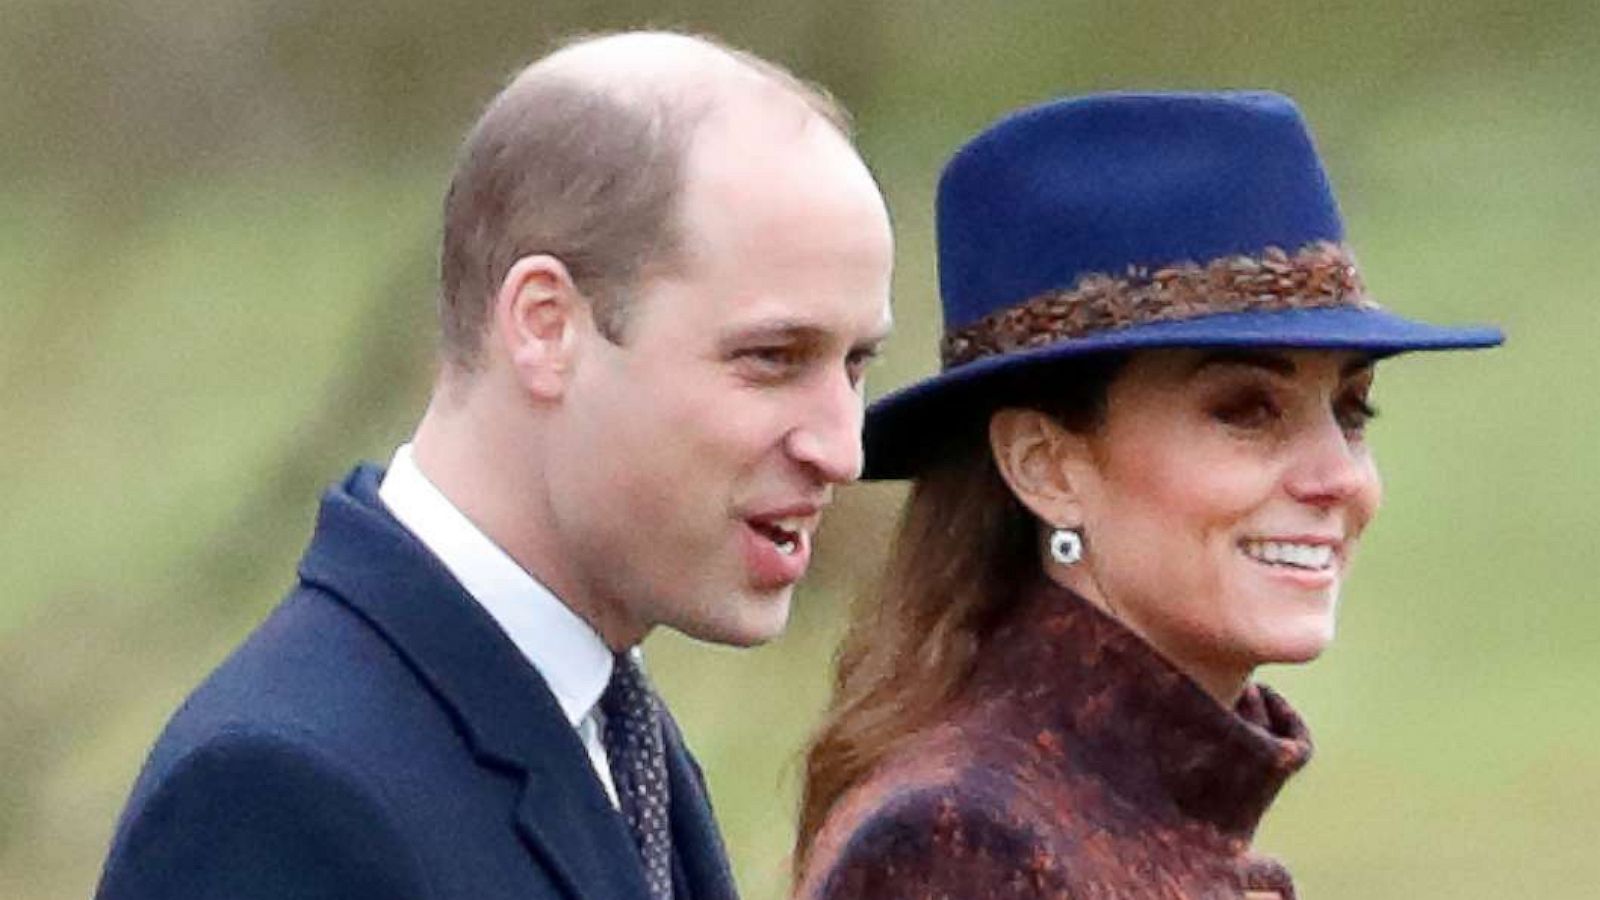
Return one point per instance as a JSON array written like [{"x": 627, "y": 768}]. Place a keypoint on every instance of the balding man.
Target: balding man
[{"x": 664, "y": 268}]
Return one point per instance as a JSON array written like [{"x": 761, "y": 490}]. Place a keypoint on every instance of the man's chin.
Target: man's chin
[{"x": 750, "y": 620}]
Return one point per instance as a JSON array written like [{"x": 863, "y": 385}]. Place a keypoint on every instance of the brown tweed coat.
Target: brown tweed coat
[{"x": 1081, "y": 765}]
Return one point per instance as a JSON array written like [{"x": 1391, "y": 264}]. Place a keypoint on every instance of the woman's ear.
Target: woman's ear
[{"x": 1034, "y": 454}]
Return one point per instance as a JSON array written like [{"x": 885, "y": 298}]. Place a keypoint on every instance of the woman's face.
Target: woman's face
[{"x": 1221, "y": 500}]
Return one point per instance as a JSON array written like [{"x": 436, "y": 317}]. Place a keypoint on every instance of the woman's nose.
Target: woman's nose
[{"x": 1332, "y": 467}]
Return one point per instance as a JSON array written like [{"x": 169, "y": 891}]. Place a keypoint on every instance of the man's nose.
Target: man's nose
[{"x": 827, "y": 440}]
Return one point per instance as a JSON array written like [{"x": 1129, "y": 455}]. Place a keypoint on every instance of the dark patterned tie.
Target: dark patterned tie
[{"x": 637, "y": 753}]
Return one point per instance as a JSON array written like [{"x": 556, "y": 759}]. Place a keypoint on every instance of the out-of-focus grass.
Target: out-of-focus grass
[
  {"x": 159, "y": 383},
  {"x": 179, "y": 384},
  {"x": 149, "y": 373}
]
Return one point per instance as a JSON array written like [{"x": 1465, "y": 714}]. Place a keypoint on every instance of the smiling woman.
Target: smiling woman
[
  {"x": 1225, "y": 492},
  {"x": 1141, "y": 475}
]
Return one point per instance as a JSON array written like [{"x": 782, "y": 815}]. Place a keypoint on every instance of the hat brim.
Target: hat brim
[{"x": 904, "y": 429}]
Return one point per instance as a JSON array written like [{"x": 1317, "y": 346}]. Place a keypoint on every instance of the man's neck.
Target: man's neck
[{"x": 464, "y": 452}]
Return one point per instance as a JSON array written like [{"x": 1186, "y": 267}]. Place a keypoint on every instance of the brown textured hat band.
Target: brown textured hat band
[{"x": 1321, "y": 275}]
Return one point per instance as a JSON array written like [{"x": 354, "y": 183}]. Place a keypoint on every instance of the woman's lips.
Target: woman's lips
[
  {"x": 1309, "y": 561},
  {"x": 1312, "y": 556}
]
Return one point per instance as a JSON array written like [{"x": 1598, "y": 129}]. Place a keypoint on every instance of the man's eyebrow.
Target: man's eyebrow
[
  {"x": 874, "y": 341},
  {"x": 775, "y": 330},
  {"x": 798, "y": 331}
]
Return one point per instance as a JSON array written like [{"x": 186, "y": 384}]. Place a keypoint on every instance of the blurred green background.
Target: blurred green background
[{"x": 217, "y": 223}]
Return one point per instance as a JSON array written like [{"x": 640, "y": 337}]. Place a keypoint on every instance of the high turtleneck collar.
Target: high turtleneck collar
[{"x": 1103, "y": 698}]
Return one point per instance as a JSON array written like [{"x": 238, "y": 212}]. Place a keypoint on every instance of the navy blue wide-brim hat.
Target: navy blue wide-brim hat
[{"x": 1120, "y": 222}]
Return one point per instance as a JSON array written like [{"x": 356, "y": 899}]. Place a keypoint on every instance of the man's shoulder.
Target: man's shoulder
[
  {"x": 313, "y": 669},
  {"x": 320, "y": 662},
  {"x": 253, "y": 811},
  {"x": 288, "y": 726},
  {"x": 319, "y": 740}
]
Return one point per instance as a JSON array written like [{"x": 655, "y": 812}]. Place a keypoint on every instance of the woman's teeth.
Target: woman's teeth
[{"x": 1285, "y": 553}]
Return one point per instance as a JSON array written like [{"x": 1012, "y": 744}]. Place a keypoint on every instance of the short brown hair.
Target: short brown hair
[{"x": 561, "y": 165}]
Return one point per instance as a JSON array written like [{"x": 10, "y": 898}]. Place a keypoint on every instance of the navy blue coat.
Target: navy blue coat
[{"x": 379, "y": 736}]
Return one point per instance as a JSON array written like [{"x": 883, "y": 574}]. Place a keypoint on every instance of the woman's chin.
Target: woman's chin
[
  {"x": 1293, "y": 623},
  {"x": 1296, "y": 642}
]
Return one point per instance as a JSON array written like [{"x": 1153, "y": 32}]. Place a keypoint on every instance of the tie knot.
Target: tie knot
[{"x": 627, "y": 695}]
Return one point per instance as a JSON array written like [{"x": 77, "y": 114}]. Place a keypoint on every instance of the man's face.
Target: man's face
[{"x": 696, "y": 456}]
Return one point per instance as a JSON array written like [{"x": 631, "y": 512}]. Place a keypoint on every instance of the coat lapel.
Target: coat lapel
[
  {"x": 502, "y": 706},
  {"x": 694, "y": 828},
  {"x": 589, "y": 847}
]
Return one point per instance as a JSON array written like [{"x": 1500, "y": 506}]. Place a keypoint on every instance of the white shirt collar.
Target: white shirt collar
[{"x": 569, "y": 654}]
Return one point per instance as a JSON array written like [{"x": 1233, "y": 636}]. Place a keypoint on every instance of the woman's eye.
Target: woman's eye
[
  {"x": 1250, "y": 411},
  {"x": 1354, "y": 414}
]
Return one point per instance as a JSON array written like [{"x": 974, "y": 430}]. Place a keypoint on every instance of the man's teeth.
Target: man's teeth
[
  {"x": 1284, "y": 553},
  {"x": 785, "y": 534}
]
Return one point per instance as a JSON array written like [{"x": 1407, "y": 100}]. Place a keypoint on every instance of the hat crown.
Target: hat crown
[
  {"x": 1118, "y": 223},
  {"x": 1101, "y": 184}
]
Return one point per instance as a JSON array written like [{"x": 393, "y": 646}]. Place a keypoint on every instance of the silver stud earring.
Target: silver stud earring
[{"x": 1066, "y": 546}]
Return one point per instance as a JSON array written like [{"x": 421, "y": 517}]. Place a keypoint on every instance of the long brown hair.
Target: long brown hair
[{"x": 964, "y": 548}]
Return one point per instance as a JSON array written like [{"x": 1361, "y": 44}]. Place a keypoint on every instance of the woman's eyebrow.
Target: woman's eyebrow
[
  {"x": 1276, "y": 363},
  {"x": 1357, "y": 366}
]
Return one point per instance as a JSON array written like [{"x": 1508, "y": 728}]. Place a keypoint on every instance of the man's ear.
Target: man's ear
[
  {"x": 1035, "y": 456},
  {"x": 538, "y": 316}
]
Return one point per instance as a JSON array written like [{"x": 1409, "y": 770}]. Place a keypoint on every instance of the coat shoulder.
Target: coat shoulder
[
  {"x": 948, "y": 834},
  {"x": 250, "y": 813},
  {"x": 313, "y": 667},
  {"x": 274, "y": 777}
]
